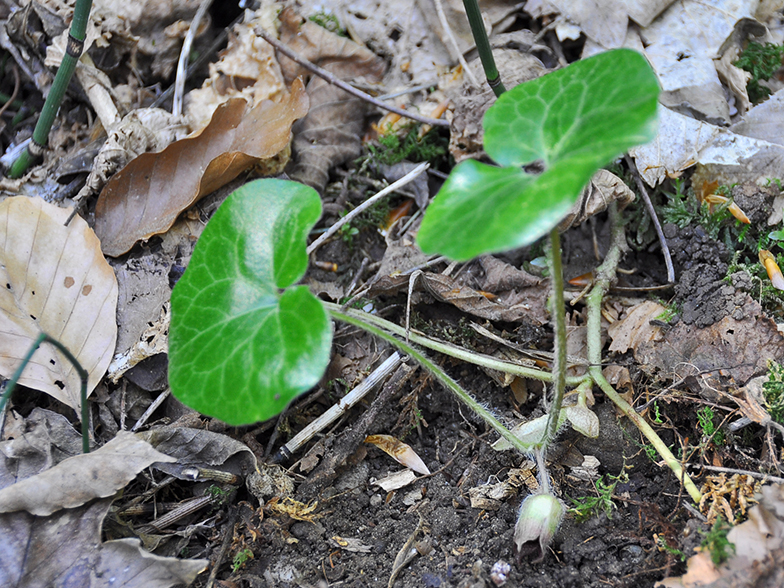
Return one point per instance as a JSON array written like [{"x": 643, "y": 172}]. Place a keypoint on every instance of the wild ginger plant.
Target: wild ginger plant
[{"x": 245, "y": 340}]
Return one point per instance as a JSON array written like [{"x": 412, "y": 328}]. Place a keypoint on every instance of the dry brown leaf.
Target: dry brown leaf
[
  {"x": 635, "y": 329},
  {"x": 740, "y": 348},
  {"x": 65, "y": 549},
  {"x": 331, "y": 132},
  {"x": 146, "y": 196},
  {"x": 604, "y": 187},
  {"x": 82, "y": 478},
  {"x": 54, "y": 279}
]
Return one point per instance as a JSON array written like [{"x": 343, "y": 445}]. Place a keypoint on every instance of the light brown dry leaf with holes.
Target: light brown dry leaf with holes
[
  {"x": 331, "y": 132},
  {"x": 400, "y": 452},
  {"x": 79, "y": 479},
  {"x": 54, "y": 279},
  {"x": 146, "y": 196},
  {"x": 299, "y": 511},
  {"x": 65, "y": 549}
]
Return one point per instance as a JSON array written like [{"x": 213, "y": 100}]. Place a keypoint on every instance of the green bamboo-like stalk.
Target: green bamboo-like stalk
[
  {"x": 63, "y": 77},
  {"x": 83, "y": 375},
  {"x": 483, "y": 46}
]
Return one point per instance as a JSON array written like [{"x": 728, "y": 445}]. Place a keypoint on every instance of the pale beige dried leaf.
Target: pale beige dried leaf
[
  {"x": 82, "y": 478},
  {"x": 635, "y": 329},
  {"x": 54, "y": 279},
  {"x": 247, "y": 68},
  {"x": 400, "y": 452},
  {"x": 146, "y": 196}
]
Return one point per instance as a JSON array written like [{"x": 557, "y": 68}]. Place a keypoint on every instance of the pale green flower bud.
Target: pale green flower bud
[{"x": 538, "y": 521}]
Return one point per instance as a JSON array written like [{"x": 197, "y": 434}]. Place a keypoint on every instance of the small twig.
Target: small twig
[
  {"x": 327, "y": 76},
  {"x": 151, "y": 409},
  {"x": 182, "y": 64},
  {"x": 334, "y": 412},
  {"x": 758, "y": 475},
  {"x": 228, "y": 537},
  {"x": 654, "y": 218},
  {"x": 450, "y": 35},
  {"x": 14, "y": 93},
  {"x": 406, "y": 179}
]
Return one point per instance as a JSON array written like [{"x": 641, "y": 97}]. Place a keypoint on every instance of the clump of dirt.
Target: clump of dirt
[{"x": 701, "y": 264}]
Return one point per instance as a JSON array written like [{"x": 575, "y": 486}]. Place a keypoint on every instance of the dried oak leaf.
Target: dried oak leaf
[
  {"x": 146, "y": 196},
  {"x": 331, "y": 132},
  {"x": 65, "y": 549},
  {"x": 82, "y": 478},
  {"x": 54, "y": 279}
]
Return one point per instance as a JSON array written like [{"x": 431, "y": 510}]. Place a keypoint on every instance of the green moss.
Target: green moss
[
  {"x": 773, "y": 391},
  {"x": 716, "y": 542},
  {"x": 393, "y": 148},
  {"x": 761, "y": 61},
  {"x": 328, "y": 21}
]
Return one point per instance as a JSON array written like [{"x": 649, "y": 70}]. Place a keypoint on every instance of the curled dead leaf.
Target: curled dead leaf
[
  {"x": 400, "y": 452},
  {"x": 146, "y": 196}
]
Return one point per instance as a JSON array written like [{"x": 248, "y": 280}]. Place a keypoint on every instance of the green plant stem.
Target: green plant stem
[
  {"x": 440, "y": 374},
  {"x": 453, "y": 350},
  {"x": 559, "y": 327},
  {"x": 63, "y": 77},
  {"x": 483, "y": 46},
  {"x": 605, "y": 276},
  {"x": 83, "y": 375}
]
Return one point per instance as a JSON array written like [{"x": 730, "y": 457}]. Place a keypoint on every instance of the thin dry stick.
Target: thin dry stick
[
  {"x": 182, "y": 64},
  {"x": 406, "y": 179},
  {"x": 324, "y": 74},
  {"x": 448, "y": 30},
  {"x": 654, "y": 218},
  {"x": 14, "y": 93}
]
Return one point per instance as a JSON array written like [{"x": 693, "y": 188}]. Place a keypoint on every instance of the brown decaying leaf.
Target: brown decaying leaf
[
  {"x": 82, "y": 478},
  {"x": 400, "y": 452},
  {"x": 65, "y": 549},
  {"x": 146, "y": 196},
  {"x": 604, "y": 187},
  {"x": 331, "y": 132},
  {"x": 635, "y": 329},
  {"x": 740, "y": 348},
  {"x": 54, "y": 279}
]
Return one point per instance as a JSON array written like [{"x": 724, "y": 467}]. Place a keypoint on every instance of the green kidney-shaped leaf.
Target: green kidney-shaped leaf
[
  {"x": 238, "y": 349},
  {"x": 572, "y": 121}
]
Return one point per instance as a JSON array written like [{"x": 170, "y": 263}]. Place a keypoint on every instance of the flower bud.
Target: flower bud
[{"x": 538, "y": 521}]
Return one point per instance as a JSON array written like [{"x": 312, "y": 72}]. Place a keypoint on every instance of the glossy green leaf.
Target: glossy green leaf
[
  {"x": 572, "y": 121},
  {"x": 239, "y": 349}
]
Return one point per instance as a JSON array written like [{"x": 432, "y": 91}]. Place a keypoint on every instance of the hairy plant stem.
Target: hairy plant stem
[
  {"x": 73, "y": 51},
  {"x": 483, "y": 46},
  {"x": 559, "y": 328},
  {"x": 83, "y": 375},
  {"x": 452, "y": 350},
  {"x": 605, "y": 276},
  {"x": 440, "y": 374}
]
